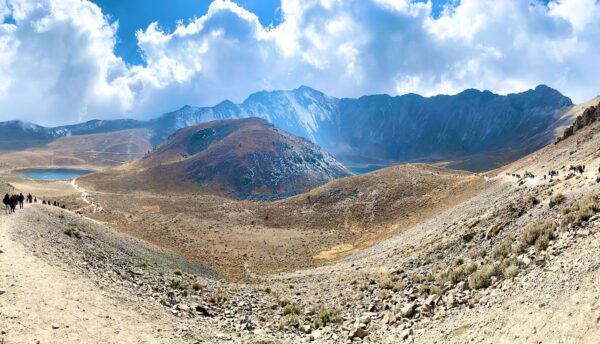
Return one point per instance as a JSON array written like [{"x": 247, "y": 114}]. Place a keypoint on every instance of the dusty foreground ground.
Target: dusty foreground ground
[{"x": 517, "y": 262}]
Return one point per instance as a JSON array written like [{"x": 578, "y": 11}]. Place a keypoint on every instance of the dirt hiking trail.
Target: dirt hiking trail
[{"x": 41, "y": 303}]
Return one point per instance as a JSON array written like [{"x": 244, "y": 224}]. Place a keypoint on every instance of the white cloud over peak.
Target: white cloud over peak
[{"x": 57, "y": 60}]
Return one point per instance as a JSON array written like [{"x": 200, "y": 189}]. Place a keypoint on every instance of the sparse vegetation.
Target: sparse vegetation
[
  {"x": 503, "y": 249},
  {"x": 556, "y": 200},
  {"x": 177, "y": 272},
  {"x": 482, "y": 278},
  {"x": 326, "y": 316},
  {"x": 197, "y": 286},
  {"x": 456, "y": 274},
  {"x": 542, "y": 230},
  {"x": 289, "y": 321},
  {"x": 218, "y": 298},
  {"x": 72, "y": 232},
  {"x": 291, "y": 309}
]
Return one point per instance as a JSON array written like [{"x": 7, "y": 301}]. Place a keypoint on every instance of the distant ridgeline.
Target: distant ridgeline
[
  {"x": 589, "y": 116},
  {"x": 476, "y": 129}
]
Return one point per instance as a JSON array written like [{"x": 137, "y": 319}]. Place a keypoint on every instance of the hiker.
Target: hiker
[
  {"x": 6, "y": 202},
  {"x": 35, "y": 200},
  {"x": 29, "y": 199},
  {"x": 44, "y": 202},
  {"x": 14, "y": 200},
  {"x": 21, "y": 200}
]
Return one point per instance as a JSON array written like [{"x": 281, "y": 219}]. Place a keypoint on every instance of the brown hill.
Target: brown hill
[
  {"x": 95, "y": 151},
  {"x": 245, "y": 158}
]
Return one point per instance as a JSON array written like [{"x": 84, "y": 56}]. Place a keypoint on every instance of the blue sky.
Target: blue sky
[
  {"x": 133, "y": 15},
  {"x": 65, "y": 61},
  {"x": 138, "y": 14}
]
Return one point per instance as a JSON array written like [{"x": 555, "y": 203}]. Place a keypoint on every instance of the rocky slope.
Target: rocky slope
[{"x": 245, "y": 158}]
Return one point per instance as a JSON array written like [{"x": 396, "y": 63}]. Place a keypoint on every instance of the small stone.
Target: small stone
[
  {"x": 2, "y": 291},
  {"x": 55, "y": 327},
  {"x": 358, "y": 332},
  {"x": 260, "y": 332},
  {"x": 366, "y": 319},
  {"x": 409, "y": 310}
]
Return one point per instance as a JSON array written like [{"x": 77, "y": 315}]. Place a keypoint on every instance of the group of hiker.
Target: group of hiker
[
  {"x": 580, "y": 169},
  {"x": 11, "y": 202}
]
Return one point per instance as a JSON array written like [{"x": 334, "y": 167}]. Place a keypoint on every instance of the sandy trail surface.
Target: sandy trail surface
[{"x": 41, "y": 303}]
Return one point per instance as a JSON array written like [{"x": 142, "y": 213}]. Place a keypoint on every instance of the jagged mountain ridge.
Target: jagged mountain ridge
[{"x": 382, "y": 129}]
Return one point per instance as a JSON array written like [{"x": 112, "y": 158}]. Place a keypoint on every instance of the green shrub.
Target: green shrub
[
  {"x": 291, "y": 309},
  {"x": 542, "y": 230},
  {"x": 503, "y": 249},
  {"x": 456, "y": 274},
  {"x": 326, "y": 316},
  {"x": 283, "y": 301},
  {"x": 511, "y": 271},
  {"x": 73, "y": 232},
  {"x": 556, "y": 200},
  {"x": 218, "y": 298},
  {"x": 482, "y": 278},
  {"x": 289, "y": 321}
]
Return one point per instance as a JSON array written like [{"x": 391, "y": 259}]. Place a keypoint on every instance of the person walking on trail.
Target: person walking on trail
[
  {"x": 6, "y": 202},
  {"x": 29, "y": 199},
  {"x": 21, "y": 200},
  {"x": 14, "y": 199}
]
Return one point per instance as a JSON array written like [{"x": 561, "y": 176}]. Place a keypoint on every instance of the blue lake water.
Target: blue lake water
[
  {"x": 362, "y": 169},
  {"x": 52, "y": 173}
]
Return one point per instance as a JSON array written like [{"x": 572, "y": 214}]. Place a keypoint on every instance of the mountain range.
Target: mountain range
[{"x": 475, "y": 130}]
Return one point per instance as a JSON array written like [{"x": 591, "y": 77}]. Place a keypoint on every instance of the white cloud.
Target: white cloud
[{"x": 57, "y": 63}]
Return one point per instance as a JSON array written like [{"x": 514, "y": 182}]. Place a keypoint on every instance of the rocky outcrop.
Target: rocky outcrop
[{"x": 589, "y": 116}]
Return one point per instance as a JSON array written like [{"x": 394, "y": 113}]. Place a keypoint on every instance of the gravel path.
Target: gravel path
[{"x": 42, "y": 303}]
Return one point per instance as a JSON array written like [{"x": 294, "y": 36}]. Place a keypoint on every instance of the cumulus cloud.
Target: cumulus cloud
[{"x": 57, "y": 60}]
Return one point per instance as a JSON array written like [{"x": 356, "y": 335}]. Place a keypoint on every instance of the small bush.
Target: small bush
[
  {"x": 511, "y": 271},
  {"x": 289, "y": 321},
  {"x": 326, "y": 316},
  {"x": 383, "y": 294},
  {"x": 503, "y": 249},
  {"x": 218, "y": 298},
  {"x": 556, "y": 200},
  {"x": 177, "y": 283},
  {"x": 581, "y": 211},
  {"x": 457, "y": 274},
  {"x": 482, "y": 278},
  {"x": 197, "y": 286},
  {"x": 542, "y": 230},
  {"x": 492, "y": 232},
  {"x": 291, "y": 309},
  {"x": 531, "y": 200},
  {"x": 541, "y": 244},
  {"x": 72, "y": 232},
  {"x": 283, "y": 301}
]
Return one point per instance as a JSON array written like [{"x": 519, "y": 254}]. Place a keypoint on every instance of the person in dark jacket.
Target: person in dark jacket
[
  {"x": 14, "y": 201},
  {"x": 21, "y": 200},
  {"x": 6, "y": 202}
]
